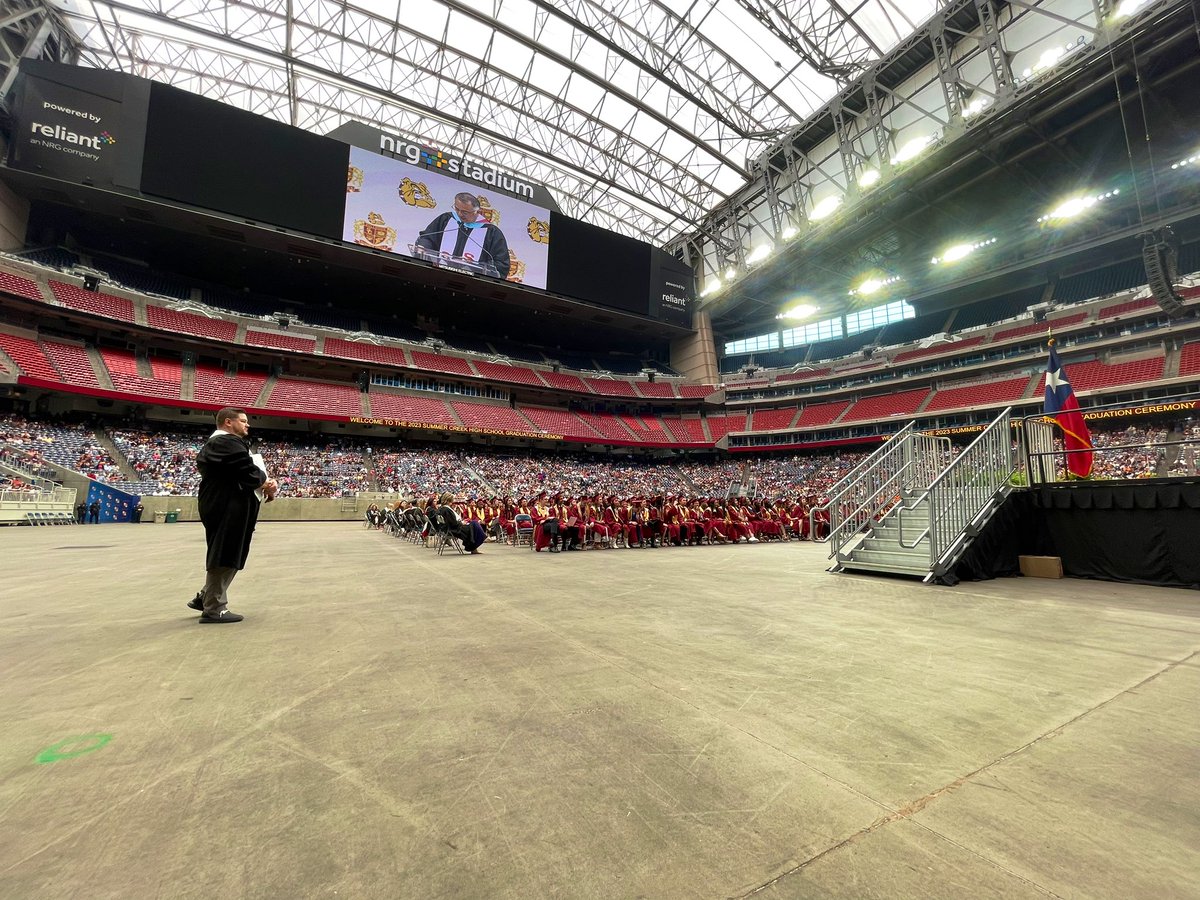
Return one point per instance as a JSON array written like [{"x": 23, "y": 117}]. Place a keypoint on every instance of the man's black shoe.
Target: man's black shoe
[
  {"x": 224, "y": 616},
  {"x": 197, "y": 602}
]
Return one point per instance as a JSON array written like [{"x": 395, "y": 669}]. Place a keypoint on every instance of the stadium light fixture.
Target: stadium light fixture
[
  {"x": 1128, "y": 8},
  {"x": 799, "y": 312},
  {"x": 873, "y": 286},
  {"x": 978, "y": 104},
  {"x": 825, "y": 208},
  {"x": 869, "y": 178},
  {"x": 759, "y": 253},
  {"x": 789, "y": 232},
  {"x": 960, "y": 251},
  {"x": 1052, "y": 56},
  {"x": 730, "y": 273},
  {"x": 1074, "y": 208},
  {"x": 913, "y": 149},
  {"x": 712, "y": 287},
  {"x": 1190, "y": 161}
]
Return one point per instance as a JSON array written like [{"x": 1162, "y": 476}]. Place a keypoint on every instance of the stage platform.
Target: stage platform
[{"x": 692, "y": 722}]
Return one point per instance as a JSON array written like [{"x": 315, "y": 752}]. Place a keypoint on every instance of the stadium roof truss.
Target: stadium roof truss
[
  {"x": 972, "y": 61},
  {"x": 641, "y": 116}
]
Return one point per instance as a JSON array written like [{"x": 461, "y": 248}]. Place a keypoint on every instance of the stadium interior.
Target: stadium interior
[{"x": 777, "y": 272}]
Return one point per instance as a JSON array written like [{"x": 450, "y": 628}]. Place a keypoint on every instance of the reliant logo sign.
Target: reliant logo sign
[
  {"x": 675, "y": 295},
  {"x": 460, "y": 167},
  {"x": 65, "y": 140}
]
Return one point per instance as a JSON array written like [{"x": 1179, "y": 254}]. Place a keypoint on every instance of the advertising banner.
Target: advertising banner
[
  {"x": 115, "y": 505},
  {"x": 66, "y": 132},
  {"x": 672, "y": 290},
  {"x": 417, "y": 212}
]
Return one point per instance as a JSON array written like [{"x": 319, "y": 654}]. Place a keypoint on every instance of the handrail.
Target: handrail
[
  {"x": 909, "y": 458},
  {"x": 900, "y": 521},
  {"x": 959, "y": 494}
]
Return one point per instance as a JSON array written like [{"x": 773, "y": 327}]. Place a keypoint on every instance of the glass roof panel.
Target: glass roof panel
[{"x": 637, "y": 112}]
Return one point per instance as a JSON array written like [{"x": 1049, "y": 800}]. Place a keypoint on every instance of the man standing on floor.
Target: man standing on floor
[{"x": 232, "y": 484}]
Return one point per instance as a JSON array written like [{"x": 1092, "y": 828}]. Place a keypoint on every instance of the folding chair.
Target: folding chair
[
  {"x": 524, "y": 530},
  {"x": 443, "y": 526}
]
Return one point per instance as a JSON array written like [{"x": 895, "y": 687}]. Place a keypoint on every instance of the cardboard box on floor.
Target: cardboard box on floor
[{"x": 1041, "y": 566}]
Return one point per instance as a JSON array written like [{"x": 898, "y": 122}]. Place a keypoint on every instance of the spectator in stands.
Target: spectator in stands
[{"x": 230, "y": 482}]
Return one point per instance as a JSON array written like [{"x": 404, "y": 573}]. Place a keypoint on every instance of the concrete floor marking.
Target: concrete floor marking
[{"x": 57, "y": 751}]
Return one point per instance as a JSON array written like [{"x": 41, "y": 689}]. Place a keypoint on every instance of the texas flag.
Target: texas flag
[{"x": 1062, "y": 405}]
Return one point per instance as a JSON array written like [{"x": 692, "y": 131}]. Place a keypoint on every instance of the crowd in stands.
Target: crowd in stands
[
  {"x": 335, "y": 468},
  {"x": 1140, "y": 452},
  {"x": 418, "y": 472},
  {"x": 71, "y": 445},
  {"x": 573, "y": 474},
  {"x": 164, "y": 463}
]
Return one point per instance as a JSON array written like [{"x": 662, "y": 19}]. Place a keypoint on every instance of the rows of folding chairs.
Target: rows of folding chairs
[
  {"x": 433, "y": 530},
  {"x": 49, "y": 518}
]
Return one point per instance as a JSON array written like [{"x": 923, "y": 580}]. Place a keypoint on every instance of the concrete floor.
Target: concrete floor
[{"x": 707, "y": 722}]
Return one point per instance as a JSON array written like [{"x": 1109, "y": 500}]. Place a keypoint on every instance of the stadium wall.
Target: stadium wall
[{"x": 284, "y": 509}]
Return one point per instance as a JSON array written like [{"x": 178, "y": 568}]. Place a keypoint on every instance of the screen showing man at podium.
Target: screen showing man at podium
[
  {"x": 464, "y": 237},
  {"x": 417, "y": 212}
]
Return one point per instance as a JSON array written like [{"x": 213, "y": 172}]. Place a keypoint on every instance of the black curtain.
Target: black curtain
[{"x": 1145, "y": 532}]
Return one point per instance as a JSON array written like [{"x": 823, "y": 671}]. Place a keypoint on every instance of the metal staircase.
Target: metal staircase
[{"x": 913, "y": 508}]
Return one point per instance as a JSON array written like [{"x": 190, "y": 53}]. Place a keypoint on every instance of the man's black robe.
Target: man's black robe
[
  {"x": 228, "y": 507},
  {"x": 495, "y": 245}
]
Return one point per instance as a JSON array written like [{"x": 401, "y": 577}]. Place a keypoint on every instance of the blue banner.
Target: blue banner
[{"x": 115, "y": 505}]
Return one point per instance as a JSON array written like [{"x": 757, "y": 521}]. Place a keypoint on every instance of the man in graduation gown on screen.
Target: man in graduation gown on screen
[
  {"x": 233, "y": 483},
  {"x": 464, "y": 233}
]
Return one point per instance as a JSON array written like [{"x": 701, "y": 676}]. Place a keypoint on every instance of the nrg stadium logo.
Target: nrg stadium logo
[{"x": 460, "y": 167}]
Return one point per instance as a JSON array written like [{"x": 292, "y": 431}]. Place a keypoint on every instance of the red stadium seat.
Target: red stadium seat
[
  {"x": 1124, "y": 309},
  {"x": 559, "y": 421},
  {"x": 29, "y": 356},
  {"x": 814, "y": 415},
  {"x": 127, "y": 378},
  {"x": 1039, "y": 327},
  {"x": 885, "y": 406},
  {"x": 320, "y": 397},
  {"x": 214, "y": 385},
  {"x": 773, "y": 419},
  {"x": 482, "y": 415},
  {"x": 21, "y": 287},
  {"x": 1008, "y": 390},
  {"x": 719, "y": 426},
  {"x": 655, "y": 388},
  {"x": 513, "y": 374},
  {"x": 685, "y": 431},
  {"x": 189, "y": 323},
  {"x": 407, "y": 408},
  {"x": 435, "y": 362},
  {"x": 937, "y": 350},
  {"x": 563, "y": 382},
  {"x": 293, "y": 342},
  {"x": 611, "y": 387},
  {"x": 608, "y": 425},
  {"x": 366, "y": 352},
  {"x": 1189, "y": 360},
  {"x": 93, "y": 302},
  {"x": 73, "y": 362}
]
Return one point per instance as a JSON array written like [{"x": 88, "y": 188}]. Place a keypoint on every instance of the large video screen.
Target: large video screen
[
  {"x": 416, "y": 212},
  {"x": 207, "y": 154}
]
